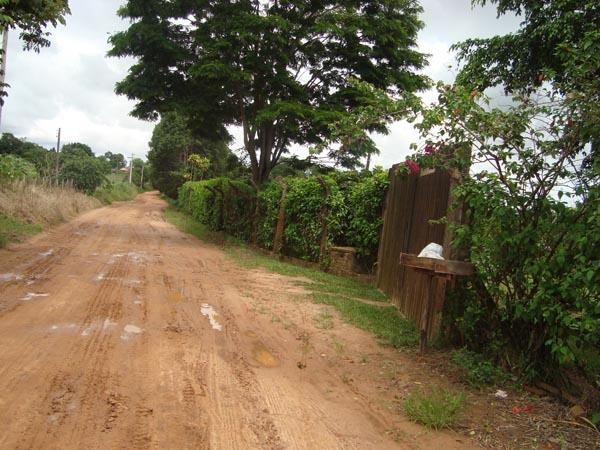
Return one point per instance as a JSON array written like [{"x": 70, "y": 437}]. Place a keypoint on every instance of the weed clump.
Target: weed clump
[{"x": 437, "y": 409}]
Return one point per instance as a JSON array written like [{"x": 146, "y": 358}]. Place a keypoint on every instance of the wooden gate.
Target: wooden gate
[{"x": 412, "y": 202}]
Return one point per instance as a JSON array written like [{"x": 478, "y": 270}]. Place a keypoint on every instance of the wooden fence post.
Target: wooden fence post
[{"x": 325, "y": 211}]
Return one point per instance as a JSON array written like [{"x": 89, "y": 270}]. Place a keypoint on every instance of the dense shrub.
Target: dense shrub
[
  {"x": 85, "y": 173},
  {"x": 14, "y": 168},
  {"x": 269, "y": 199},
  {"x": 365, "y": 205},
  {"x": 533, "y": 234},
  {"x": 221, "y": 204},
  {"x": 351, "y": 203},
  {"x": 306, "y": 203}
]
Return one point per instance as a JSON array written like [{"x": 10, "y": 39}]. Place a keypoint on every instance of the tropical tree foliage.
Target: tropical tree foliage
[
  {"x": 171, "y": 147},
  {"x": 537, "y": 52},
  {"x": 279, "y": 69},
  {"x": 31, "y": 17}
]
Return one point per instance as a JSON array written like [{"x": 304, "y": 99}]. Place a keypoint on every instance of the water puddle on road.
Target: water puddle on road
[
  {"x": 32, "y": 295},
  {"x": 264, "y": 356},
  {"x": 9, "y": 277},
  {"x": 130, "y": 330},
  {"x": 208, "y": 311}
]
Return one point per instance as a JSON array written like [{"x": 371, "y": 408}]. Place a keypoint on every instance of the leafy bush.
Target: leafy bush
[
  {"x": 221, "y": 204},
  {"x": 365, "y": 206},
  {"x": 533, "y": 231},
  {"x": 478, "y": 371},
  {"x": 269, "y": 199},
  {"x": 307, "y": 203},
  {"x": 86, "y": 173},
  {"x": 15, "y": 168}
]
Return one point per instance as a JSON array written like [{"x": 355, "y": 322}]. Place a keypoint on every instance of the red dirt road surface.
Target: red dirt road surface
[{"x": 118, "y": 331}]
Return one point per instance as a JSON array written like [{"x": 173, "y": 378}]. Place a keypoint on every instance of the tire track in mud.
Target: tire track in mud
[
  {"x": 93, "y": 385},
  {"x": 252, "y": 412}
]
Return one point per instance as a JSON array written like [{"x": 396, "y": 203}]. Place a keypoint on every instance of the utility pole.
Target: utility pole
[
  {"x": 130, "y": 168},
  {"x": 3, "y": 62},
  {"x": 142, "y": 178},
  {"x": 57, "y": 153}
]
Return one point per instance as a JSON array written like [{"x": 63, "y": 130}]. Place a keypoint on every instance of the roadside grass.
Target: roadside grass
[
  {"x": 13, "y": 229},
  {"x": 324, "y": 320},
  {"x": 437, "y": 409},
  {"x": 383, "y": 321},
  {"x": 346, "y": 295},
  {"x": 27, "y": 207},
  {"x": 320, "y": 281},
  {"x": 189, "y": 225},
  {"x": 116, "y": 191}
]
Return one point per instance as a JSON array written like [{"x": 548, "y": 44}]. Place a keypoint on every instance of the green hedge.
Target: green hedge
[
  {"x": 221, "y": 204},
  {"x": 352, "y": 204}
]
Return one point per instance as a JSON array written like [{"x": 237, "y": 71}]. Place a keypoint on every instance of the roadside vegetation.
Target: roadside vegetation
[
  {"x": 27, "y": 207},
  {"x": 437, "y": 409},
  {"x": 36, "y": 192}
]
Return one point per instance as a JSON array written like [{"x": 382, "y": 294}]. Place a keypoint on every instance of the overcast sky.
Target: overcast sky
[{"x": 71, "y": 84}]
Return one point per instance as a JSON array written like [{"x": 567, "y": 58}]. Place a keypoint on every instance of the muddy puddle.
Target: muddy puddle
[
  {"x": 4, "y": 277},
  {"x": 208, "y": 311},
  {"x": 32, "y": 295},
  {"x": 129, "y": 331},
  {"x": 263, "y": 355}
]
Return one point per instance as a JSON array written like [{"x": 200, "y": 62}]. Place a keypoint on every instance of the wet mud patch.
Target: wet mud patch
[
  {"x": 209, "y": 311},
  {"x": 264, "y": 356}
]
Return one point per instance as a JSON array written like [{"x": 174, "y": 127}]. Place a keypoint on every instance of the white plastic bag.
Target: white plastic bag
[{"x": 432, "y": 250}]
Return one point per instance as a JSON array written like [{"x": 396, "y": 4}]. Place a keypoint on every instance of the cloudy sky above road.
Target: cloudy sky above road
[{"x": 71, "y": 84}]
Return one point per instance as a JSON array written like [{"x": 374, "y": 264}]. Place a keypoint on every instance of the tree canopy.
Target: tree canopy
[
  {"x": 31, "y": 17},
  {"x": 279, "y": 69},
  {"x": 539, "y": 51},
  {"x": 172, "y": 155}
]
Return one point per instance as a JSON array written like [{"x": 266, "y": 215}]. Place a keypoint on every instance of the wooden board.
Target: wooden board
[{"x": 436, "y": 266}]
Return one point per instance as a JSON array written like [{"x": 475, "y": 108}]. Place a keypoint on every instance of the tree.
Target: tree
[
  {"x": 31, "y": 17},
  {"x": 279, "y": 69},
  {"x": 86, "y": 173},
  {"x": 171, "y": 146},
  {"x": 115, "y": 160},
  {"x": 79, "y": 165},
  {"x": 537, "y": 52},
  {"x": 10, "y": 144},
  {"x": 558, "y": 43}
]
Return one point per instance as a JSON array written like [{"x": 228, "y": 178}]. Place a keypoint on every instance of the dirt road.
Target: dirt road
[{"x": 118, "y": 331}]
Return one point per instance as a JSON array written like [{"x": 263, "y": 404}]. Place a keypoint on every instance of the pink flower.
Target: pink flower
[
  {"x": 429, "y": 149},
  {"x": 413, "y": 166}
]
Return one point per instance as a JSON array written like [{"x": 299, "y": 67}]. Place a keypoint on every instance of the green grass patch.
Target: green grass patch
[
  {"x": 437, "y": 409},
  {"x": 383, "y": 321},
  {"x": 324, "y": 320},
  {"x": 321, "y": 281},
  {"x": 476, "y": 371},
  {"x": 116, "y": 192},
  {"x": 13, "y": 229}
]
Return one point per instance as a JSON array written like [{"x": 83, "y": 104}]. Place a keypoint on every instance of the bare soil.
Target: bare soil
[{"x": 119, "y": 331}]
